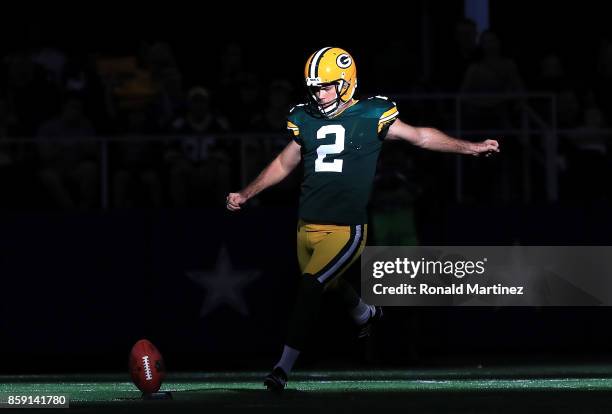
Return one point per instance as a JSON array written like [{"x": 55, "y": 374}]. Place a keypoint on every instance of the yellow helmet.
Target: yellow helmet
[{"x": 331, "y": 65}]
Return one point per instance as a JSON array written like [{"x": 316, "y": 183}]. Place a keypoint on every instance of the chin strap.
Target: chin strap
[{"x": 330, "y": 109}]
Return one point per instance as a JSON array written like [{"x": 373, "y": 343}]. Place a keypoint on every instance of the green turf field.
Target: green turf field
[{"x": 467, "y": 390}]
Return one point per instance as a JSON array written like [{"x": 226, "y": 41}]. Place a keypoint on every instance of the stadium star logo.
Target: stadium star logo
[{"x": 224, "y": 285}]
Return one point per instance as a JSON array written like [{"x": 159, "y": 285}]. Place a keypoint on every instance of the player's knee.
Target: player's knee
[{"x": 309, "y": 283}]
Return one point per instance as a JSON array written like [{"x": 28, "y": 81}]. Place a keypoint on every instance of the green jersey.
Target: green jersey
[{"x": 340, "y": 156}]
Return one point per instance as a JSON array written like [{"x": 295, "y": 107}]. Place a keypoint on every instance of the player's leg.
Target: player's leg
[
  {"x": 307, "y": 297},
  {"x": 323, "y": 250},
  {"x": 362, "y": 313}
]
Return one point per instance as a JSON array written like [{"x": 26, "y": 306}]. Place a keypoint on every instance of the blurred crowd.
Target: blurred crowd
[{"x": 210, "y": 134}]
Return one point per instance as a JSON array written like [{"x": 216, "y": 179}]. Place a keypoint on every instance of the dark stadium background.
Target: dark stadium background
[{"x": 126, "y": 254}]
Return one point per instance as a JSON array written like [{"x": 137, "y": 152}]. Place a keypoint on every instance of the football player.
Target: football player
[{"x": 338, "y": 139}]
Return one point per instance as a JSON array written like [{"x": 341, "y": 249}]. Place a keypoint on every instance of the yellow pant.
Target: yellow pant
[{"x": 325, "y": 251}]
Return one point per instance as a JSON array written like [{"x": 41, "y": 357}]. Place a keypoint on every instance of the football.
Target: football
[{"x": 146, "y": 366}]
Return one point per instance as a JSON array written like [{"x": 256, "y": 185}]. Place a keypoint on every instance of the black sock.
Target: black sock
[
  {"x": 344, "y": 293},
  {"x": 305, "y": 313}
]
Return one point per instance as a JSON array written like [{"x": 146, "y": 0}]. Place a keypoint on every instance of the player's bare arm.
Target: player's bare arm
[
  {"x": 435, "y": 140},
  {"x": 274, "y": 173}
]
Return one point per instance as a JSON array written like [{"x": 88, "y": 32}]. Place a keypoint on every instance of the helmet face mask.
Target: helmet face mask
[
  {"x": 329, "y": 107},
  {"x": 330, "y": 66}
]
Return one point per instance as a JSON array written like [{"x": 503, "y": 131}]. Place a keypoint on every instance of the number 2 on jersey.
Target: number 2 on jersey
[{"x": 330, "y": 149}]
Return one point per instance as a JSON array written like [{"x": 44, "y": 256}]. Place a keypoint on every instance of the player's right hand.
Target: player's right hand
[{"x": 234, "y": 200}]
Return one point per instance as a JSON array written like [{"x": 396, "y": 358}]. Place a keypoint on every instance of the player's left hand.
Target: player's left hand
[
  {"x": 234, "y": 200},
  {"x": 486, "y": 147}
]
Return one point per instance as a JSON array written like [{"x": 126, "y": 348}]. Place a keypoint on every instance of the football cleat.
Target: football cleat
[
  {"x": 366, "y": 329},
  {"x": 276, "y": 380}
]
